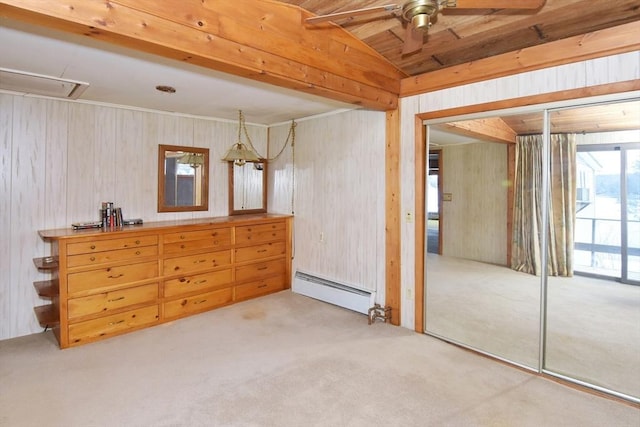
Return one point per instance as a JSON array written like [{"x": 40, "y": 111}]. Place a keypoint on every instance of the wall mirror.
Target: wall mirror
[
  {"x": 247, "y": 188},
  {"x": 183, "y": 178}
]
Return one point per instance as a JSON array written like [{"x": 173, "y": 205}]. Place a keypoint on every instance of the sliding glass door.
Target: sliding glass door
[
  {"x": 607, "y": 233},
  {"x": 632, "y": 174}
]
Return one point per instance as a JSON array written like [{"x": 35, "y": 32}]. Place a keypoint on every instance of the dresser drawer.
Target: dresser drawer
[
  {"x": 251, "y": 234},
  {"x": 103, "y": 278},
  {"x": 109, "y": 325},
  {"x": 222, "y": 236},
  {"x": 260, "y": 270},
  {"x": 188, "y": 264},
  {"x": 109, "y": 301},
  {"x": 111, "y": 256},
  {"x": 111, "y": 244},
  {"x": 265, "y": 250},
  {"x": 260, "y": 287},
  {"x": 177, "y": 243},
  {"x": 198, "y": 303},
  {"x": 198, "y": 282}
]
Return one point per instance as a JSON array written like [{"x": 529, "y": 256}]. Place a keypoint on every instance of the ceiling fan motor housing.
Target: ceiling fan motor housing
[{"x": 419, "y": 13}]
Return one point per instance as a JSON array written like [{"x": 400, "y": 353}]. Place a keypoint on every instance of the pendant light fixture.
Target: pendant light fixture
[{"x": 239, "y": 153}]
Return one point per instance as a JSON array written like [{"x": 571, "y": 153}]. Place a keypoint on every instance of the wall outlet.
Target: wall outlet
[
  {"x": 408, "y": 217},
  {"x": 409, "y": 293}
]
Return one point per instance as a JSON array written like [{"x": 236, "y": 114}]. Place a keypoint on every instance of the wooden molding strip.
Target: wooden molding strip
[
  {"x": 543, "y": 98},
  {"x": 252, "y": 39},
  {"x": 420, "y": 156},
  {"x": 392, "y": 217},
  {"x": 610, "y": 41}
]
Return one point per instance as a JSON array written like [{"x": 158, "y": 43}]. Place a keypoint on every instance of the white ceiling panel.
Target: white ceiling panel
[{"x": 126, "y": 77}]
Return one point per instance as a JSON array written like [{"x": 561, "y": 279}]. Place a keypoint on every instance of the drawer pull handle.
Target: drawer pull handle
[
  {"x": 137, "y": 242},
  {"x": 116, "y": 323},
  {"x": 262, "y": 250},
  {"x": 92, "y": 258},
  {"x": 199, "y": 302},
  {"x": 262, "y": 286},
  {"x": 199, "y": 282},
  {"x": 200, "y": 261},
  {"x": 137, "y": 252},
  {"x": 116, "y": 277},
  {"x": 182, "y": 246},
  {"x": 214, "y": 234},
  {"x": 262, "y": 268},
  {"x": 182, "y": 237},
  {"x": 116, "y": 299},
  {"x": 92, "y": 246}
]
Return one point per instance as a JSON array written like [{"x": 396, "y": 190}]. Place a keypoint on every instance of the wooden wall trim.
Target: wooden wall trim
[
  {"x": 511, "y": 177},
  {"x": 420, "y": 155},
  {"x": 421, "y": 167},
  {"x": 260, "y": 40},
  {"x": 610, "y": 41},
  {"x": 543, "y": 98},
  {"x": 392, "y": 208}
]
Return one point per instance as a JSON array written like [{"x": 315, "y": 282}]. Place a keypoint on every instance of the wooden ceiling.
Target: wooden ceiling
[{"x": 462, "y": 36}]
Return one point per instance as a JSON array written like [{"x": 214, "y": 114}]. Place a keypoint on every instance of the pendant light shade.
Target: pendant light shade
[
  {"x": 194, "y": 160},
  {"x": 239, "y": 154}
]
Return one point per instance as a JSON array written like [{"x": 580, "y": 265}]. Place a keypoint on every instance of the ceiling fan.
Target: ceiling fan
[{"x": 419, "y": 15}]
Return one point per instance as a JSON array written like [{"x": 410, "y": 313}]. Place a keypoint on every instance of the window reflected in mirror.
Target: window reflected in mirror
[
  {"x": 247, "y": 188},
  {"x": 183, "y": 179}
]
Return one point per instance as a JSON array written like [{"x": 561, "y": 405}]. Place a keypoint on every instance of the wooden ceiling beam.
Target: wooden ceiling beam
[
  {"x": 490, "y": 129},
  {"x": 611, "y": 41},
  {"x": 262, "y": 40}
]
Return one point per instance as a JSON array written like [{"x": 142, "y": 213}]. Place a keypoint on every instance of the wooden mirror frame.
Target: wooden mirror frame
[
  {"x": 263, "y": 209},
  {"x": 204, "y": 196}
]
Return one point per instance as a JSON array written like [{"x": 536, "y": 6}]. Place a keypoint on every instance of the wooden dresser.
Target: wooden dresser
[{"x": 109, "y": 282}]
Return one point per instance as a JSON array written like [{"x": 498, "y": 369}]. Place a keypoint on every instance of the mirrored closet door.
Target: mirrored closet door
[
  {"x": 473, "y": 295},
  {"x": 564, "y": 302},
  {"x": 593, "y": 313}
]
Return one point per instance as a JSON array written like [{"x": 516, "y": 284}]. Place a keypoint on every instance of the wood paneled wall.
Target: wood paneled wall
[
  {"x": 338, "y": 185},
  {"x": 612, "y": 69},
  {"x": 60, "y": 160},
  {"x": 474, "y": 223}
]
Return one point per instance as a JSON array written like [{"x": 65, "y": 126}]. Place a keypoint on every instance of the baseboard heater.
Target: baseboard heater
[{"x": 340, "y": 294}]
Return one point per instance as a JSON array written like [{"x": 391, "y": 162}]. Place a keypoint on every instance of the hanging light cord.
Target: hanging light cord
[{"x": 290, "y": 137}]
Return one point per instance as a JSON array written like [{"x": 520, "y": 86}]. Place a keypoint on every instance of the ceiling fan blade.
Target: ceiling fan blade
[
  {"x": 350, "y": 13},
  {"x": 413, "y": 40},
  {"x": 495, "y": 4}
]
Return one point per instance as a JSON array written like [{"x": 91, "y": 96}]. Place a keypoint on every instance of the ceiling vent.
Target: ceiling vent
[{"x": 38, "y": 84}]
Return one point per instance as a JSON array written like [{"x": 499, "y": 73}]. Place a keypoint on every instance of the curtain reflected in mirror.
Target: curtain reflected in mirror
[
  {"x": 183, "y": 178},
  {"x": 247, "y": 188}
]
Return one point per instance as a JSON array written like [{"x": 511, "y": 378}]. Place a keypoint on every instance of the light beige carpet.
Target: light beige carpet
[
  {"x": 593, "y": 325},
  {"x": 282, "y": 360}
]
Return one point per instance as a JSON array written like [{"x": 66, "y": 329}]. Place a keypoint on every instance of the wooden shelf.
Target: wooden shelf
[
  {"x": 47, "y": 316},
  {"x": 46, "y": 263},
  {"x": 47, "y": 288}
]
